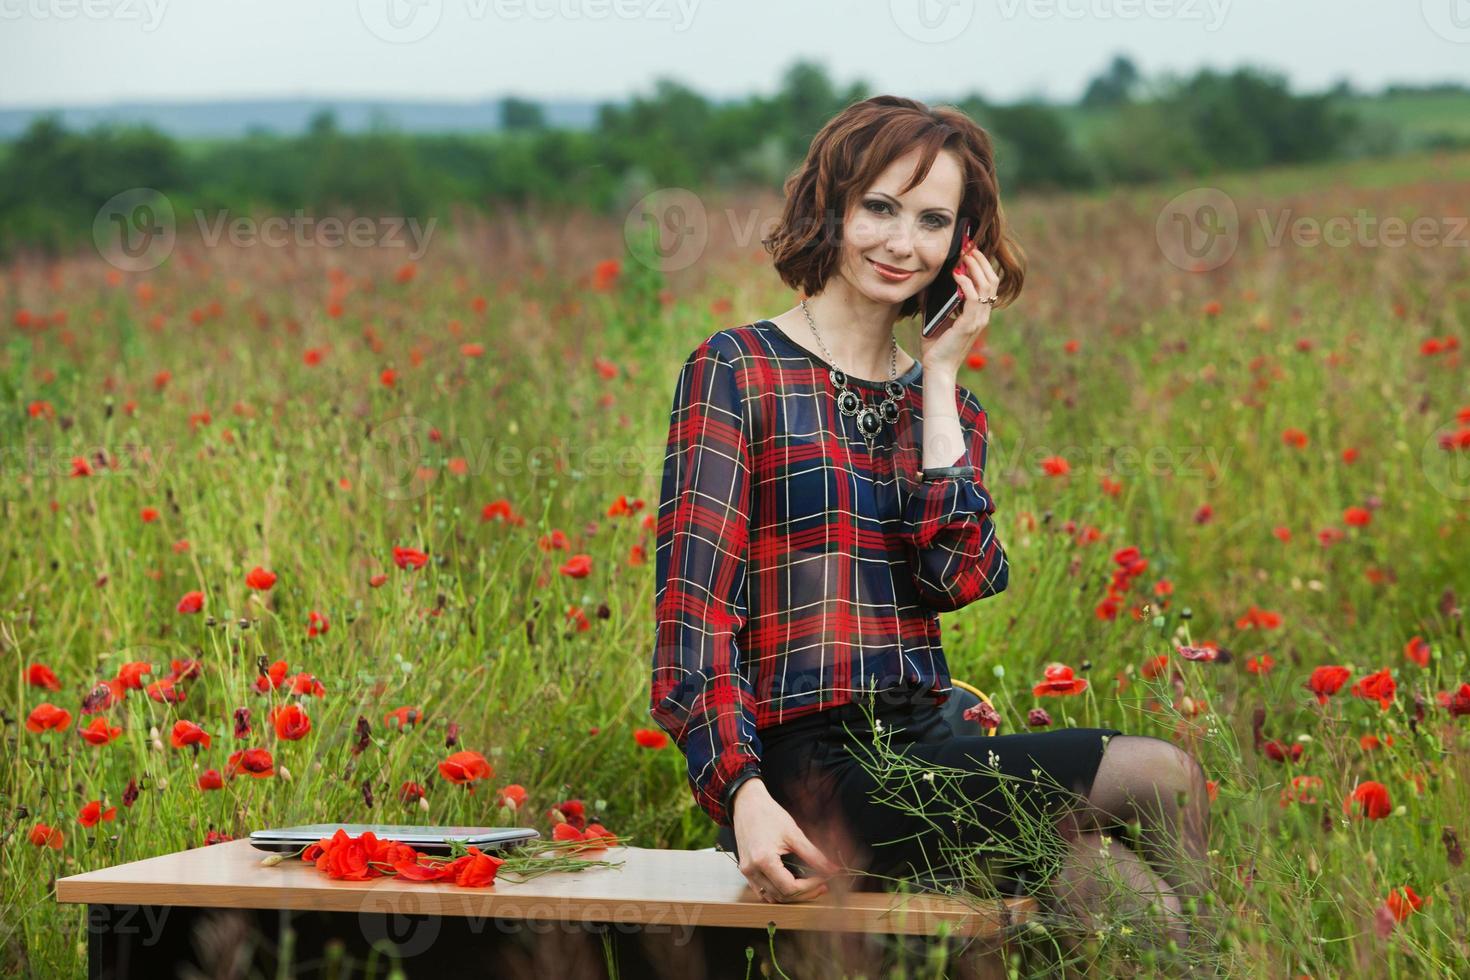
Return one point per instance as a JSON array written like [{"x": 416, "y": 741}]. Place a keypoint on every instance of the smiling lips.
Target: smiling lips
[{"x": 890, "y": 273}]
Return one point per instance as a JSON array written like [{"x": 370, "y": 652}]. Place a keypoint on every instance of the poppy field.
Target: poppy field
[{"x": 297, "y": 533}]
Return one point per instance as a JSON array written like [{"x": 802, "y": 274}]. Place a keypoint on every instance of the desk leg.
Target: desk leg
[{"x": 132, "y": 942}]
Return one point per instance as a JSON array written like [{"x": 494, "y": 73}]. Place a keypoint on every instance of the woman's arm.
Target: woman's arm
[
  {"x": 956, "y": 554},
  {"x": 699, "y": 693}
]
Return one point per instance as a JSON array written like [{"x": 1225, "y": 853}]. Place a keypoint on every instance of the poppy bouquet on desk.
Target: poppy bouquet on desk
[{"x": 368, "y": 856}]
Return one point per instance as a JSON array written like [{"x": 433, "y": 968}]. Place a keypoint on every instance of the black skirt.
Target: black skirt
[{"x": 885, "y": 787}]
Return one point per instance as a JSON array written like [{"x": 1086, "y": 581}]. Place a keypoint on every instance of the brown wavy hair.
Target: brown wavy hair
[{"x": 847, "y": 156}]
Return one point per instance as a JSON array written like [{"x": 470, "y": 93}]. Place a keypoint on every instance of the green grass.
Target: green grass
[{"x": 1181, "y": 406}]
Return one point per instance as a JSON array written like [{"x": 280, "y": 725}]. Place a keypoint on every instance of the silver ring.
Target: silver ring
[{"x": 990, "y": 300}]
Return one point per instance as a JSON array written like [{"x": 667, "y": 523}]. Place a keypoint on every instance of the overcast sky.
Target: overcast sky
[{"x": 85, "y": 52}]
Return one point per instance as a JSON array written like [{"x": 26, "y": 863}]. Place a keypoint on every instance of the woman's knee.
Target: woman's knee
[{"x": 1147, "y": 760}]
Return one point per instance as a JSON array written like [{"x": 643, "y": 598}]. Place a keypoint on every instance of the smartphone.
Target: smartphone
[{"x": 943, "y": 296}]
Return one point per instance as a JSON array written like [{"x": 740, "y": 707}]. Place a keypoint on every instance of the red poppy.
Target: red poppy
[
  {"x": 569, "y": 811},
  {"x": 211, "y": 779},
  {"x": 377, "y": 580},
  {"x": 513, "y": 796},
  {"x": 191, "y": 602},
  {"x": 1059, "y": 682},
  {"x": 402, "y": 717},
  {"x": 47, "y": 716},
  {"x": 577, "y": 566},
  {"x": 1277, "y": 752},
  {"x": 188, "y": 733},
  {"x": 1261, "y": 664},
  {"x": 291, "y": 723},
  {"x": 93, "y": 812},
  {"x": 1326, "y": 681},
  {"x": 407, "y": 558},
  {"x": 164, "y": 690},
  {"x": 99, "y": 732},
  {"x": 304, "y": 683},
  {"x": 260, "y": 579},
  {"x": 1258, "y": 618},
  {"x": 1379, "y": 686},
  {"x": 410, "y": 793},
  {"x": 316, "y": 623},
  {"x": 1417, "y": 650},
  {"x": 1301, "y": 790},
  {"x": 1371, "y": 799},
  {"x": 44, "y": 835},
  {"x": 465, "y": 767},
  {"x": 256, "y": 762},
  {"x": 1402, "y": 901},
  {"x": 1205, "y": 653},
  {"x": 130, "y": 675},
  {"x": 39, "y": 675},
  {"x": 650, "y": 738},
  {"x": 274, "y": 677}
]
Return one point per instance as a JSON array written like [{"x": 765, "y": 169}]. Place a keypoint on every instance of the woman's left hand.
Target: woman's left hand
[{"x": 944, "y": 351}]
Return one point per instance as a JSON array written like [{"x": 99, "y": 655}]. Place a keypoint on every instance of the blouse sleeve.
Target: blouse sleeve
[
  {"x": 955, "y": 554},
  {"x": 700, "y": 694}
]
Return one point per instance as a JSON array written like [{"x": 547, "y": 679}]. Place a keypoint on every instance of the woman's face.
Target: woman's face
[{"x": 895, "y": 244}]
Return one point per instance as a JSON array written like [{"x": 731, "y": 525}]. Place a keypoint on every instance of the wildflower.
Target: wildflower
[
  {"x": 188, "y": 733},
  {"x": 464, "y": 768},
  {"x": 1326, "y": 681},
  {"x": 1059, "y": 682},
  {"x": 47, "y": 716},
  {"x": 92, "y": 812},
  {"x": 1371, "y": 799}
]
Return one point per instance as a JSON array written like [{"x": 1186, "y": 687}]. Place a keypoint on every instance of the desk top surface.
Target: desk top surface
[{"x": 652, "y": 886}]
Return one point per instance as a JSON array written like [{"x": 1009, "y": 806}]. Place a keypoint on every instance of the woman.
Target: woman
[{"x": 806, "y": 547}]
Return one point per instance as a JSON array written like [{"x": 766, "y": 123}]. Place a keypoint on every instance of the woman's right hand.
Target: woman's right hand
[{"x": 764, "y": 833}]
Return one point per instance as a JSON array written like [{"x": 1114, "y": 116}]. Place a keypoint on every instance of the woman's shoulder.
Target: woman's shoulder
[{"x": 737, "y": 344}]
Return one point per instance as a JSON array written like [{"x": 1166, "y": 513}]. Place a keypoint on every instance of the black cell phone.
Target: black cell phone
[{"x": 943, "y": 296}]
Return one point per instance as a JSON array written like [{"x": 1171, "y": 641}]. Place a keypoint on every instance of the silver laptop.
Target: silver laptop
[{"x": 430, "y": 840}]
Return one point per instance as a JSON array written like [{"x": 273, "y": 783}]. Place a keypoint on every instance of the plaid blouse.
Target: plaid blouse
[{"x": 793, "y": 570}]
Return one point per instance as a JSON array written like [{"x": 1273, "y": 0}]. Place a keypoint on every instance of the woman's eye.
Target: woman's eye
[{"x": 875, "y": 205}]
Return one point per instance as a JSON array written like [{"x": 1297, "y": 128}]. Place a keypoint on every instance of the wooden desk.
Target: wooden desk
[{"x": 148, "y": 917}]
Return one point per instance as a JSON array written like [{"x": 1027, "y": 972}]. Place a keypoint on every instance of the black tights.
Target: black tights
[{"x": 1143, "y": 814}]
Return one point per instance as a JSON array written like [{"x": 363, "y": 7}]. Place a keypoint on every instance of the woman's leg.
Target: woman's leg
[
  {"x": 1087, "y": 886},
  {"x": 1159, "y": 791}
]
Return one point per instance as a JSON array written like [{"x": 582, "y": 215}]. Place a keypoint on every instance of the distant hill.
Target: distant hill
[{"x": 289, "y": 117}]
